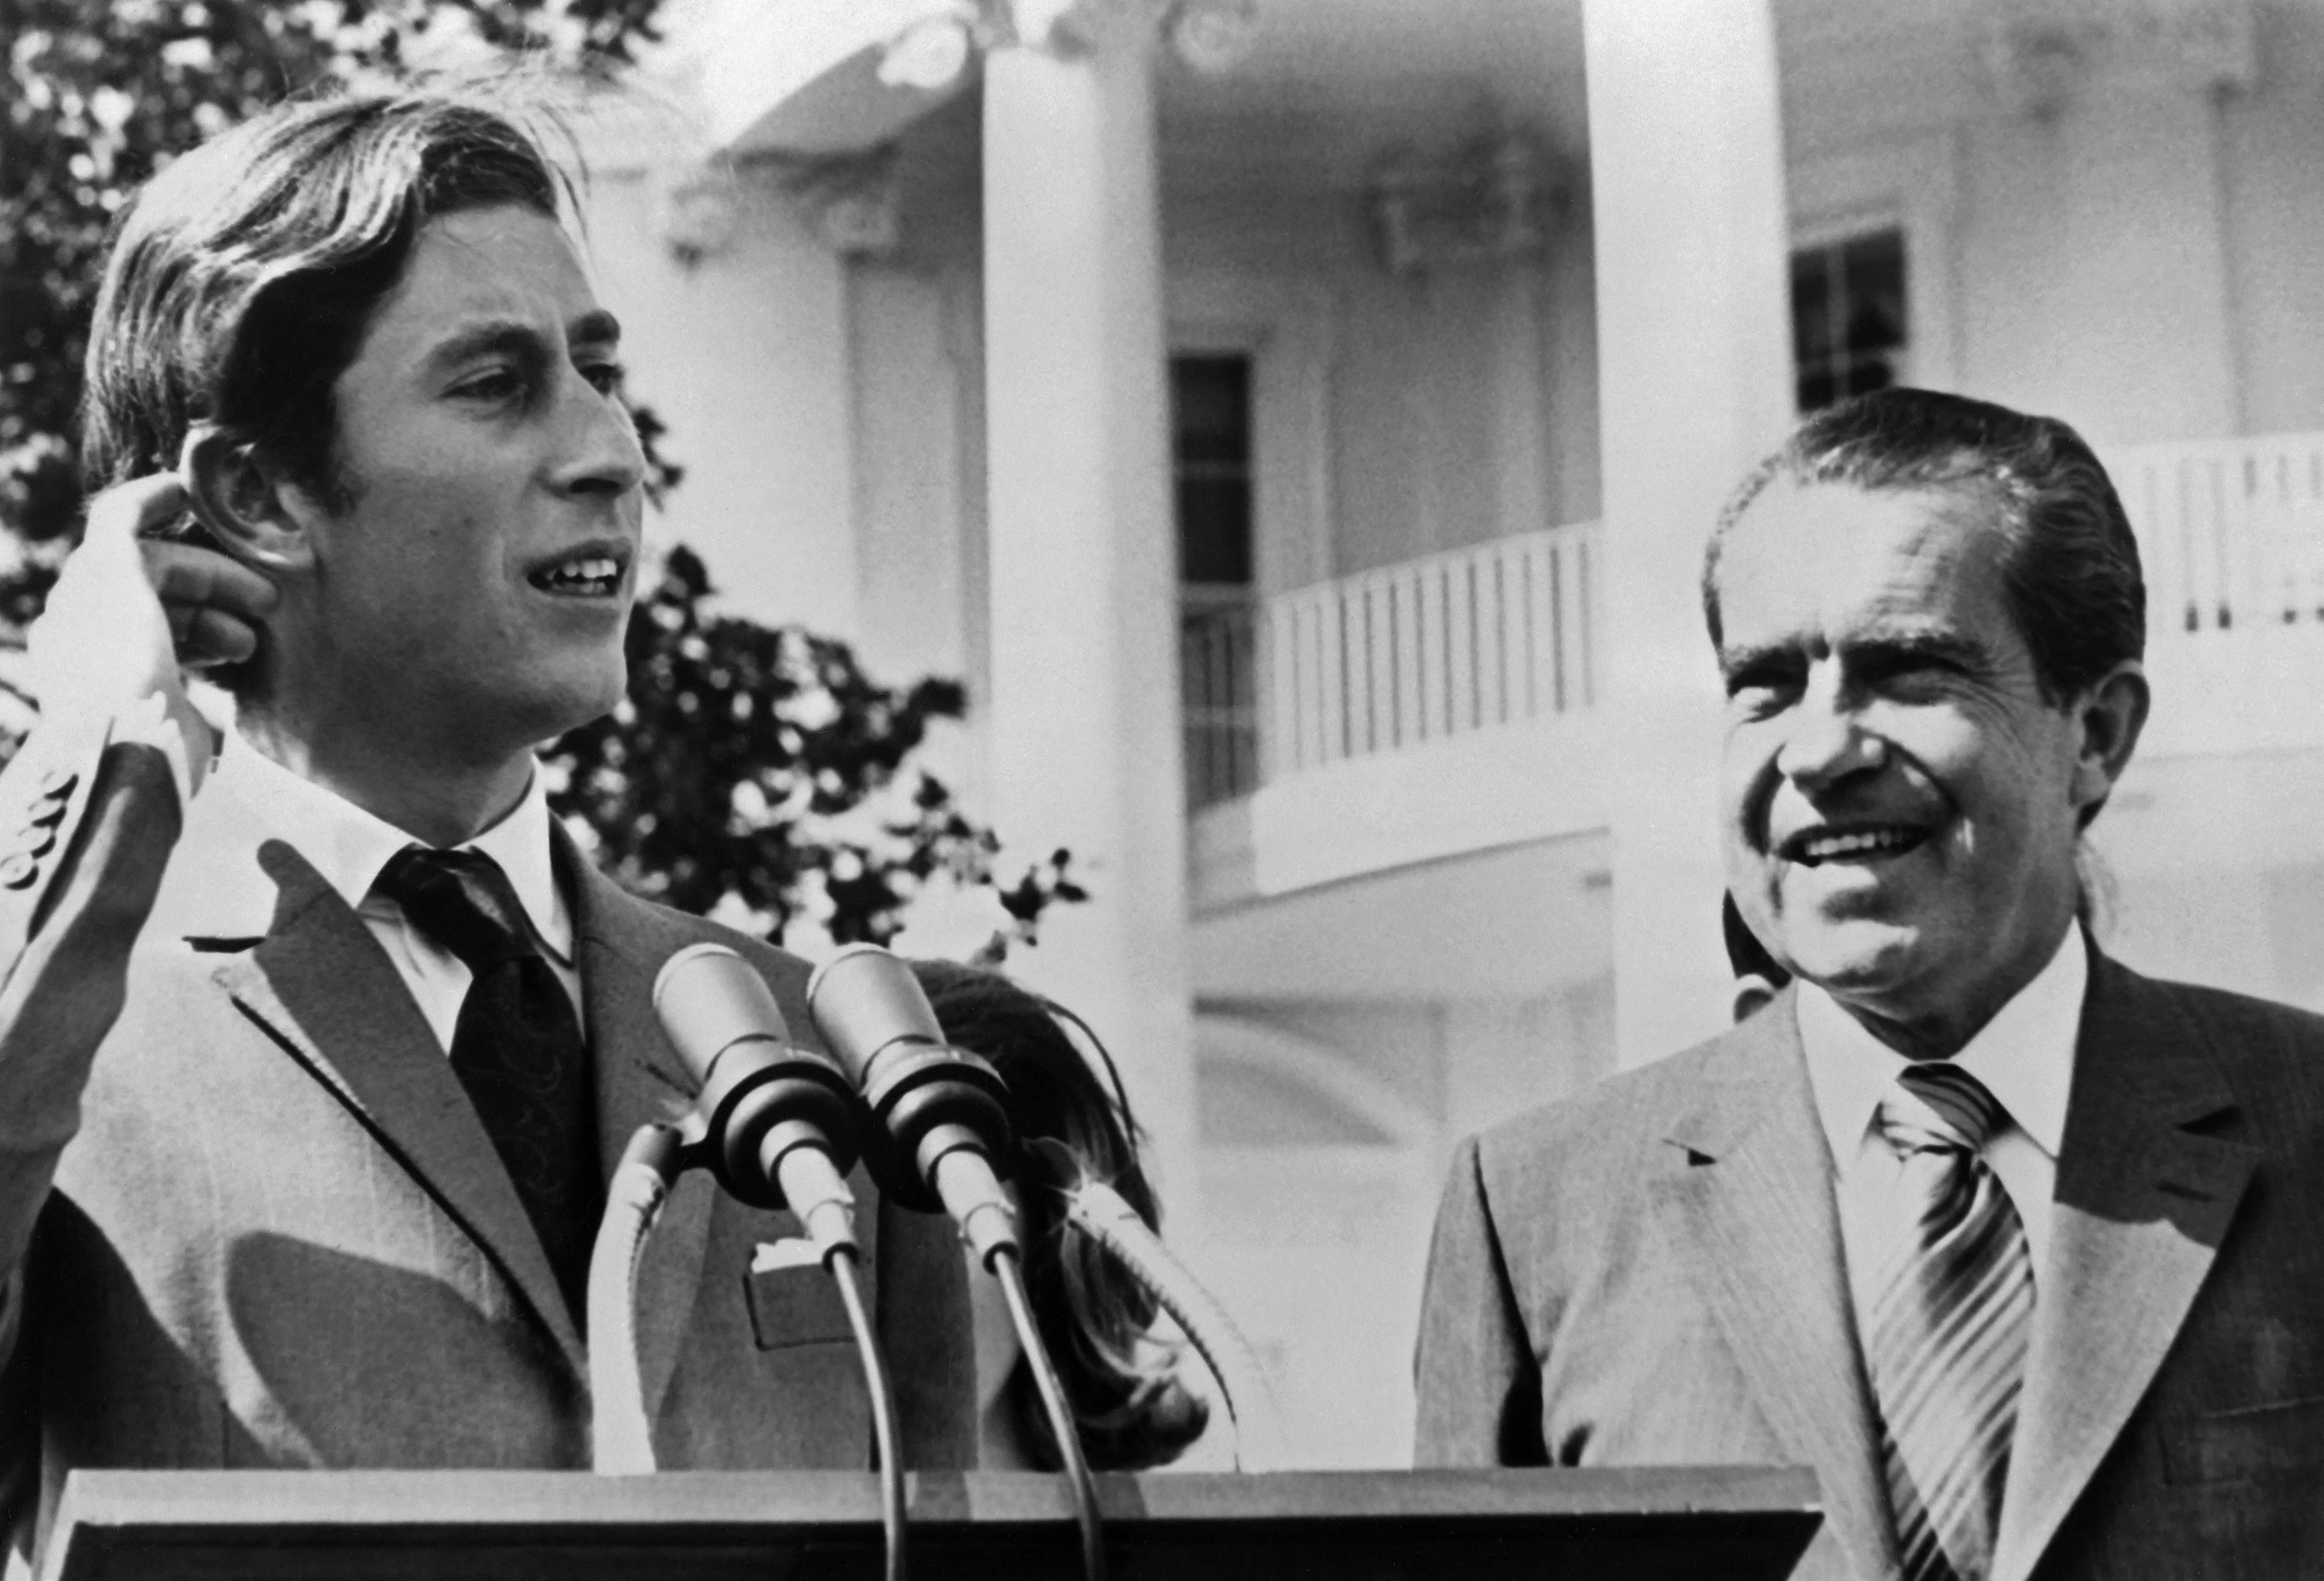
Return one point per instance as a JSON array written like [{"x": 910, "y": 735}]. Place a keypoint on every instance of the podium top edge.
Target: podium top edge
[{"x": 513, "y": 1500}]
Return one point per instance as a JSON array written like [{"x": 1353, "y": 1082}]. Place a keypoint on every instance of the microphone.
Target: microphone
[
  {"x": 778, "y": 1126},
  {"x": 776, "y": 1122},
  {"x": 943, "y": 1121},
  {"x": 941, "y": 1112}
]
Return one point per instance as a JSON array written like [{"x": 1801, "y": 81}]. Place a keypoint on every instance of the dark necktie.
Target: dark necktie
[
  {"x": 1947, "y": 1350},
  {"x": 517, "y": 1048}
]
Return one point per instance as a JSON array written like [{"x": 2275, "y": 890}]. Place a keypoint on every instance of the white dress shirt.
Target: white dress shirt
[
  {"x": 2025, "y": 1056},
  {"x": 348, "y": 847}
]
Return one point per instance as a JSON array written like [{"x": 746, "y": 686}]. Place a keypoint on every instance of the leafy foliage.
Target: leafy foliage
[{"x": 758, "y": 774}]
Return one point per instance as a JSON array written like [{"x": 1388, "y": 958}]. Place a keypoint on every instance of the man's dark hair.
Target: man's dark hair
[
  {"x": 241, "y": 278},
  {"x": 2071, "y": 576}
]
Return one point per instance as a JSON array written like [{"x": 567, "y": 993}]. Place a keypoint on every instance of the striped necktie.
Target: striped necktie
[{"x": 1950, "y": 1324}]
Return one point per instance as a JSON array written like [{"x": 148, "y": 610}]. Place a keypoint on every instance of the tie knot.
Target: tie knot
[
  {"x": 1954, "y": 1110},
  {"x": 462, "y": 900}
]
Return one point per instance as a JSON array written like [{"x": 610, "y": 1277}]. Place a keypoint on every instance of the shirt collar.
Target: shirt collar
[
  {"x": 2025, "y": 1056},
  {"x": 348, "y": 845}
]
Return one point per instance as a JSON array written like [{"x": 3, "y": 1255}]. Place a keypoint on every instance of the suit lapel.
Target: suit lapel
[
  {"x": 622, "y": 945},
  {"x": 1748, "y": 1194},
  {"x": 2142, "y": 1205},
  {"x": 320, "y": 985}
]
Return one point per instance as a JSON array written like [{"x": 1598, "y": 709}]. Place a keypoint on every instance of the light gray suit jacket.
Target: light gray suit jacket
[
  {"x": 251, "y": 1219},
  {"x": 1652, "y": 1273}
]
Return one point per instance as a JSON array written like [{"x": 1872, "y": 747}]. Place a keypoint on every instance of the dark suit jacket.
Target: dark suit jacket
[
  {"x": 272, "y": 1233},
  {"x": 1652, "y": 1273}
]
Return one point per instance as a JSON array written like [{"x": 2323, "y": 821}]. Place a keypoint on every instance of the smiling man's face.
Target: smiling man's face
[
  {"x": 1899, "y": 800},
  {"x": 471, "y": 594}
]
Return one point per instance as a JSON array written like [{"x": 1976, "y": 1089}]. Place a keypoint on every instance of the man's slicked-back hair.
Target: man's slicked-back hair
[
  {"x": 243, "y": 277},
  {"x": 2071, "y": 575}
]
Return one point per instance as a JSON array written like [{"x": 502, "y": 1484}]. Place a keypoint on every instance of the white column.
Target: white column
[
  {"x": 1693, "y": 358},
  {"x": 1083, "y": 717}
]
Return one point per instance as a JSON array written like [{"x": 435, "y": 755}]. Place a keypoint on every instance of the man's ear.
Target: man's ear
[
  {"x": 2111, "y": 713},
  {"x": 239, "y": 496}
]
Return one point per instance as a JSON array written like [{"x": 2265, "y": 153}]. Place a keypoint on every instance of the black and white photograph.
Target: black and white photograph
[{"x": 1246, "y": 789}]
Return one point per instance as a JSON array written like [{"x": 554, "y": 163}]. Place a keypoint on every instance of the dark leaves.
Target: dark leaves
[{"x": 758, "y": 774}]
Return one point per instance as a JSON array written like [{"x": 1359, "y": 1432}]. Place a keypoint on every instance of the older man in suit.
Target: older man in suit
[
  {"x": 308, "y": 1087},
  {"x": 2024, "y": 1253}
]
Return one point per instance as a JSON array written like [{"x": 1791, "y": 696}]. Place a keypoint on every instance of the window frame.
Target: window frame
[{"x": 1911, "y": 186}]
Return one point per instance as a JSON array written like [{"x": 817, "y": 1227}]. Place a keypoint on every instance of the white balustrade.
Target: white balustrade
[
  {"x": 2231, "y": 531},
  {"x": 1467, "y": 641},
  {"x": 1218, "y": 669}
]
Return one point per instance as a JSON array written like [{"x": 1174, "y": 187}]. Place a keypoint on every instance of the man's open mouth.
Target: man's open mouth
[
  {"x": 1862, "y": 843},
  {"x": 588, "y": 573}
]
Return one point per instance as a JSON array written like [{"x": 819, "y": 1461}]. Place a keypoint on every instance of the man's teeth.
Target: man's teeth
[
  {"x": 1824, "y": 846},
  {"x": 598, "y": 573}
]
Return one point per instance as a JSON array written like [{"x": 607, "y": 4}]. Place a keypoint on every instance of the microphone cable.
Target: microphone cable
[
  {"x": 621, "y": 1437},
  {"x": 1102, "y": 1213},
  {"x": 1004, "y": 1266},
  {"x": 775, "y": 1125},
  {"x": 887, "y": 1442},
  {"x": 940, "y": 1119}
]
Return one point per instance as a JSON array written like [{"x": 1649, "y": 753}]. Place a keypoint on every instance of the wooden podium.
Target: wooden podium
[{"x": 1607, "y": 1525}]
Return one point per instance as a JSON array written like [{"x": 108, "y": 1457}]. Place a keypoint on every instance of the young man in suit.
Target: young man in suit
[
  {"x": 2022, "y": 1252},
  {"x": 309, "y": 1084}
]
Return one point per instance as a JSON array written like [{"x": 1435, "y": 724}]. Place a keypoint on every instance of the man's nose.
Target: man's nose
[
  {"x": 1828, "y": 740},
  {"x": 601, "y": 454}
]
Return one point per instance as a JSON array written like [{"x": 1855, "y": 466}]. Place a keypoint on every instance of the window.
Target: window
[
  {"x": 1211, "y": 472},
  {"x": 1210, "y": 461},
  {"x": 1848, "y": 333}
]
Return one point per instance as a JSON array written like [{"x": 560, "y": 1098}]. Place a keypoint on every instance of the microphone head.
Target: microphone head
[
  {"x": 761, "y": 1095},
  {"x": 709, "y": 1000},
  {"x": 865, "y": 999},
  {"x": 928, "y": 1097}
]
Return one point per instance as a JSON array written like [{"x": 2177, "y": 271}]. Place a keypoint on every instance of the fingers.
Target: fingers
[
  {"x": 215, "y": 604},
  {"x": 141, "y": 505},
  {"x": 206, "y": 637},
  {"x": 190, "y": 575}
]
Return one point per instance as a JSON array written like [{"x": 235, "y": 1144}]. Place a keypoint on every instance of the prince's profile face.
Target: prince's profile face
[{"x": 480, "y": 555}]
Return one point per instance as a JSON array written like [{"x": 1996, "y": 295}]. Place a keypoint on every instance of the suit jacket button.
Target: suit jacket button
[
  {"x": 35, "y": 840},
  {"x": 18, "y": 871},
  {"x": 46, "y": 813},
  {"x": 58, "y": 782}
]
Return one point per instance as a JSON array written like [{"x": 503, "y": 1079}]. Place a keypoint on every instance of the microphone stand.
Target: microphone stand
[
  {"x": 1004, "y": 1263},
  {"x": 770, "y": 1125},
  {"x": 940, "y": 1119},
  {"x": 621, "y": 1433}
]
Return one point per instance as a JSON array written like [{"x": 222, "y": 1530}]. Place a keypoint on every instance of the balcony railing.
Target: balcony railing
[
  {"x": 1494, "y": 635},
  {"x": 1218, "y": 671},
  {"x": 2231, "y": 531}
]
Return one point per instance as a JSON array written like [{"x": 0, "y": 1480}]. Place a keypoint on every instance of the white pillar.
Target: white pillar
[
  {"x": 1695, "y": 376},
  {"x": 1083, "y": 717}
]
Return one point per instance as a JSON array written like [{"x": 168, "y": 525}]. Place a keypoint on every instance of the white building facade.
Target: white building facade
[{"x": 1298, "y": 421}]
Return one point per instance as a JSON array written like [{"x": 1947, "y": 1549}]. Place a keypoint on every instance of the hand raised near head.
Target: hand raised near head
[
  {"x": 214, "y": 602},
  {"x": 128, "y": 608}
]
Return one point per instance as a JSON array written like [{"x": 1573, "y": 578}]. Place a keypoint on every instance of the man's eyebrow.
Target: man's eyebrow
[
  {"x": 476, "y": 340},
  {"x": 1944, "y": 647},
  {"x": 1907, "y": 644},
  {"x": 594, "y": 328},
  {"x": 1737, "y": 660}
]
